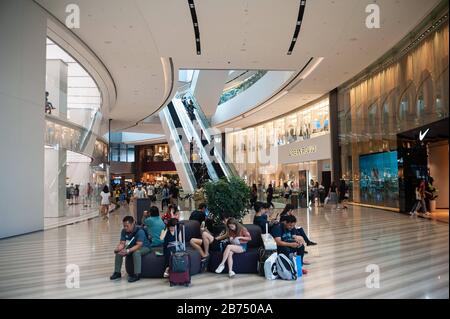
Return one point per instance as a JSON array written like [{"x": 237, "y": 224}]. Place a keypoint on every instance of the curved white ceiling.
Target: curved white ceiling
[{"x": 130, "y": 37}]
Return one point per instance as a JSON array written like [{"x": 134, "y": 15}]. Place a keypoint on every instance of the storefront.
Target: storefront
[
  {"x": 285, "y": 149},
  {"x": 390, "y": 122},
  {"x": 154, "y": 164}
]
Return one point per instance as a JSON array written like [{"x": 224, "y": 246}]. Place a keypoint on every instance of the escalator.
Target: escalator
[
  {"x": 177, "y": 140},
  {"x": 201, "y": 125},
  {"x": 187, "y": 128}
]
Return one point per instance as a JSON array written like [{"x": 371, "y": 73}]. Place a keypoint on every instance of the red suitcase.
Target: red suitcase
[{"x": 180, "y": 265}]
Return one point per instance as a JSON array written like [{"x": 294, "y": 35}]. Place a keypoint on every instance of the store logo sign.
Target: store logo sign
[
  {"x": 422, "y": 136},
  {"x": 294, "y": 152}
]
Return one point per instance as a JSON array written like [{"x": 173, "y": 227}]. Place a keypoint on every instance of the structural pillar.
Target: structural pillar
[{"x": 23, "y": 28}]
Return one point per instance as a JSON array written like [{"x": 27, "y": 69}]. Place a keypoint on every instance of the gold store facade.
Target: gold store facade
[{"x": 285, "y": 148}]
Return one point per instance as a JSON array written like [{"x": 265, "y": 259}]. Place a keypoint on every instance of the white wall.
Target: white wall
[
  {"x": 438, "y": 164},
  {"x": 22, "y": 100},
  {"x": 208, "y": 86}
]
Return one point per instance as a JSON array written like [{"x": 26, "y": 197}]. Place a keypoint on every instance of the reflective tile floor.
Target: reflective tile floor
[{"x": 411, "y": 256}]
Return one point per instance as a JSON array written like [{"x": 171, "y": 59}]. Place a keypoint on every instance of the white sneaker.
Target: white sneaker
[
  {"x": 166, "y": 274},
  {"x": 220, "y": 268},
  {"x": 231, "y": 274}
]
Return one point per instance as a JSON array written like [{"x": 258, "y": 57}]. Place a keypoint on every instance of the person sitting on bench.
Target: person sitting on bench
[
  {"x": 288, "y": 239},
  {"x": 238, "y": 236},
  {"x": 133, "y": 242}
]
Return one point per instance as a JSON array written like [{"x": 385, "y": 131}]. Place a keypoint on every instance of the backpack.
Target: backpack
[
  {"x": 285, "y": 267},
  {"x": 270, "y": 267}
]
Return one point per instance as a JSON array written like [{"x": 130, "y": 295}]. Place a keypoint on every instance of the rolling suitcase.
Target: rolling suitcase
[{"x": 180, "y": 264}]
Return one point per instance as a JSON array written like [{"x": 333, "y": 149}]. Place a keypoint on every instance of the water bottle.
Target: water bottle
[{"x": 298, "y": 262}]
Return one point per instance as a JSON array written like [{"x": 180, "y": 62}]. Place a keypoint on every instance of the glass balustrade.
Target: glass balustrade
[{"x": 232, "y": 92}]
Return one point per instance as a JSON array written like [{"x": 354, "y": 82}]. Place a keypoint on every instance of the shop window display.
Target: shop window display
[
  {"x": 251, "y": 146},
  {"x": 412, "y": 92}
]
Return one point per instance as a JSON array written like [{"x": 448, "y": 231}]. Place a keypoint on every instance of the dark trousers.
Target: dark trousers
[
  {"x": 288, "y": 250},
  {"x": 167, "y": 253},
  {"x": 269, "y": 201},
  {"x": 303, "y": 234},
  {"x": 164, "y": 202}
]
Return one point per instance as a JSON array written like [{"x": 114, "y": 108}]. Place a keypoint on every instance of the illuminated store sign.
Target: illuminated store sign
[
  {"x": 302, "y": 150},
  {"x": 313, "y": 149}
]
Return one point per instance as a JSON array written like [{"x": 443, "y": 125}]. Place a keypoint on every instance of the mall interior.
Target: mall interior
[{"x": 351, "y": 95}]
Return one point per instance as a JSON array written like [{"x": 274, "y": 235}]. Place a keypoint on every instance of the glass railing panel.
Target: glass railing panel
[{"x": 232, "y": 92}]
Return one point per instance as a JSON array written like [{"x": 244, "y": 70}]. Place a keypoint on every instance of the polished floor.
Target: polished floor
[
  {"x": 412, "y": 256},
  {"x": 72, "y": 214}
]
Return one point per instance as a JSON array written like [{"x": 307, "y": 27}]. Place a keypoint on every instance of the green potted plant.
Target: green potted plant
[{"x": 228, "y": 197}]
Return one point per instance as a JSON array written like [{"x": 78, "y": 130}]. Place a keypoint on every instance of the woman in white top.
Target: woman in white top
[{"x": 104, "y": 207}]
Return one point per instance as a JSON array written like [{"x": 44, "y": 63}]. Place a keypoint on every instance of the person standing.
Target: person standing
[
  {"x": 105, "y": 202},
  {"x": 269, "y": 193},
  {"x": 76, "y": 193},
  {"x": 332, "y": 194},
  {"x": 191, "y": 151},
  {"x": 286, "y": 193},
  {"x": 139, "y": 192},
  {"x": 343, "y": 193},
  {"x": 71, "y": 194},
  {"x": 151, "y": 192},
  {"x": 253, "y": 195},
  {"x": 174, "y": 192},
  {"x": 420, "y": 200},
  {"x": 165, "y": 195},
  {"x": 89, "y": 191}
]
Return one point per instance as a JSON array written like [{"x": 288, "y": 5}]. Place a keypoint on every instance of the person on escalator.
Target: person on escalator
[{"x": 190, "y": 108}]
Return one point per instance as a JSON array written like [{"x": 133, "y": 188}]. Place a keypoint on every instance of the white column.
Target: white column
[
  {"x": 54, "y": 182},
  {"x": 56, "y": 86},
  {"x": 22, "y": 98}
]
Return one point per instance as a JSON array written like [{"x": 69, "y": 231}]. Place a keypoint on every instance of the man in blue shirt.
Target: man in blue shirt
[
  {"x": 288, "y": 238},
  {"x": 133, "y": 242}
]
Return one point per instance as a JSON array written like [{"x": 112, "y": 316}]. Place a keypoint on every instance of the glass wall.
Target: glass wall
[
  {"x": 121, "y": 152},
  {"x": 76, "y": 163},
  {"x": 249, "y": 150},
  {"x": 72, "y": 93},
  {"x": 410, "y": 92}
]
